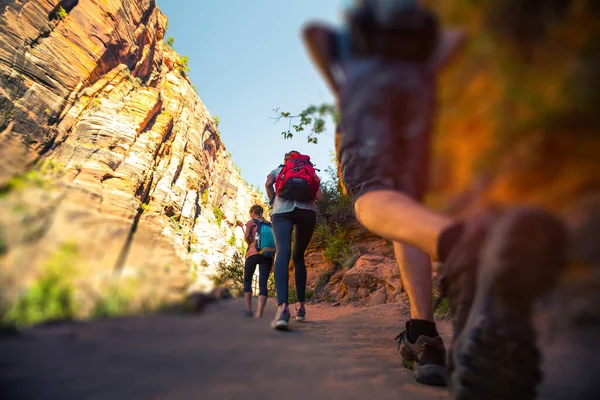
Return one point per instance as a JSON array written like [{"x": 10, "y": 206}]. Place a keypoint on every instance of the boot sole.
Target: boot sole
[{"x": 495, "y": 356}]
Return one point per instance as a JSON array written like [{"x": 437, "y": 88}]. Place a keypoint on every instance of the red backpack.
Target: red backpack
[{"x": 297, "y": 180}]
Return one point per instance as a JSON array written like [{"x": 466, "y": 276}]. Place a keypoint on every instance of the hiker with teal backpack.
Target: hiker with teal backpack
[
  {"x": 261, "y": 250},
  {"x": 292, "y": 189}
]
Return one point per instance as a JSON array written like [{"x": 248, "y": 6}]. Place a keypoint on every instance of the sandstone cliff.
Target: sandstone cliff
[{"x": 112, "y": 170}]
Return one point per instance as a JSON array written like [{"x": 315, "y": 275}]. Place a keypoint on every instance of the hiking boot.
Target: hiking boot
[
  {"x": 426, "y": 356},
  {"x": 301, "y": 314},
  {"x": 282, "y": 318},
  {"x": 493, "y": 278}
]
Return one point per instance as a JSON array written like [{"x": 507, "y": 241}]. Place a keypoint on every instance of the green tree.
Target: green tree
[{"x": 170, "y": 41}]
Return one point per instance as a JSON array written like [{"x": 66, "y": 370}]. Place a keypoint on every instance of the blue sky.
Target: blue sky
[{"x": 246, "y": 59}]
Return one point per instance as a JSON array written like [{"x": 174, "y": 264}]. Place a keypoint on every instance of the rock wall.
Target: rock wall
[{"x": 108, "y": 157}]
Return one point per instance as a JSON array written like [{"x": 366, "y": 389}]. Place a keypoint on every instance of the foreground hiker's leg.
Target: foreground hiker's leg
[
  {"x": 420, "y": 345},
  {"x": 415, "y": 270},
  {"x": 398, "y": 217}
]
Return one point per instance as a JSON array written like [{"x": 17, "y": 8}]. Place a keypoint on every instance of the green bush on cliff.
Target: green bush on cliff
[
  {"x": 218, "y": 214},
  {"x": 170, "y": 41},
  {"x": 204, "y": 196},
  {"x": 184, "y": 64},
  {"x": 232, "y": 240},
  {"x": 61, "y": 13},
  {"x": 51, "y": 297}
]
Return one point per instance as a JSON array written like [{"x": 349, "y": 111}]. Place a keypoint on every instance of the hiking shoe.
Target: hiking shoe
[
  {"x": 426, "y": 356},
  {"x": 301, "y": 314},
  {"x": 494, "y": 353},
  {"x": 282, "y": 319}
]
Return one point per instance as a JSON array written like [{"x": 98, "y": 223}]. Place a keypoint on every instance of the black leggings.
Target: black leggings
[
  {"x": 264, "y": 270},
  {"x": 305, "y": 221}
]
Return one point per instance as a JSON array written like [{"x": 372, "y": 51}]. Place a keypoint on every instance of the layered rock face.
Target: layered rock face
[{"x": 110, "y": 164}]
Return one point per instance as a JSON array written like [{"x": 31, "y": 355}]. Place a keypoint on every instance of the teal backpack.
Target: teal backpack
[{"x": 265, "y": 242}]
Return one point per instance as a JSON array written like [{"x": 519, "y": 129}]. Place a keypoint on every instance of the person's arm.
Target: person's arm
[
  {"x": 451, "y": 41},
  {"x": 248, "y": 234},
  {"x": 269, "y": 187},
  {"x": 319, "y": 40}
]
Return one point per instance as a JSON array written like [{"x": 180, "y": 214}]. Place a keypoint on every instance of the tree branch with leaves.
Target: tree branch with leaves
[{"x": 313, "y": 119}]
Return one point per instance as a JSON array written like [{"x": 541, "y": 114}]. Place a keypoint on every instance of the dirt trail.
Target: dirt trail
[
  {"x": 218, "y": 355},
  {"x": 340, "y": 353}
]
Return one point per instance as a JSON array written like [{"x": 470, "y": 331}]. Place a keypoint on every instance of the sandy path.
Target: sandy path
[
  {"x": 218, "y": 355},
  {"x": 339, "y": 353}
]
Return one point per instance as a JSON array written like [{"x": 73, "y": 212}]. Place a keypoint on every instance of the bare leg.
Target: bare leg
[
  {"x": 248, "y": 300},
  {"x": 415, "y": 269},
  {"x": 262, "y": 302},
  {"x": 399, "y": 218}
]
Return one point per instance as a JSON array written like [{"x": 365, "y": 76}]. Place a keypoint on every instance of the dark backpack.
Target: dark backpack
[
  {"x": 265, "y": 243},
  {"x": 297, "y": 180}
]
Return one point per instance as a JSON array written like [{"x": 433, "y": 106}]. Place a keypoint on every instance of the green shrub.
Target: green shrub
[
  {"x": 175, "y": 223},
  {"x": 231, "y": 274},
  {"x": 204, "y": 196},
  {"x": 114, "y": 303},
  {"x": 170, "y": 41},
  {"x": 339, "y": 251},
  {"x": 271, "y": 290},
  {"x": 61, "y": 13},
  {"x": 218, "y": 214},
  {"x": 184, "y": 64},
  {"x": 232, "y": 240},
  {"x": 335, "y": 212},
  {"x": 52, "y": 296},
  {"x": 292, "y": 295},
  {"x": 42, "y": 175}
]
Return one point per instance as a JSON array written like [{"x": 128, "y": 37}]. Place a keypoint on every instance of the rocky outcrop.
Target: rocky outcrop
[
  {"x": 370, "y": 277},
  {"x": 109, "y": 160}
]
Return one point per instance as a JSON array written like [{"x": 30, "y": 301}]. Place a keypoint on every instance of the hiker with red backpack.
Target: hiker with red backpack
[
  {"x": 261, "y": 250},
  {"x": 292, "y": 188}
]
